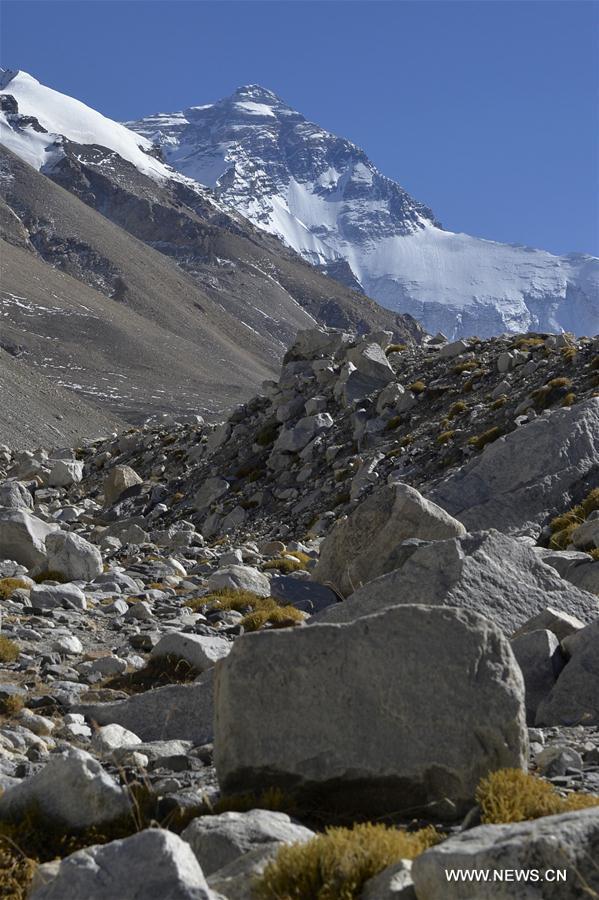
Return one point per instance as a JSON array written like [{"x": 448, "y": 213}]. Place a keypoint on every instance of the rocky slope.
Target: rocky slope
[
  {"x": 324, "y": 197},
  {"x": 196, "y": 612}
]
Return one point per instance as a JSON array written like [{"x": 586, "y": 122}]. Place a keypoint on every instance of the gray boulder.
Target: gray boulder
[
  {"x": 245, "y": 578},
  {"x": 393, "y": 883},
  {"x": 151, "y": 864},
  {"x": 200, "y": 651},
  {"x": 235, "y": 881},
  {"x": 52, "y": 596},
  {"x": 15, "y": 495},
  {"x": 364, "y": 545},
  {"x": 402, "y": 711},
  {"x": 301, "y": 593},
  {"x": 585, "y": 576},
  {"x": 370, "y": 361},
  {"x": 65, "y": 472},
  {"x": 119, "y": 480},
  {"x": 211, "y": 490},
  {"x": 23, "y": 537},
  {"x": 174, "y": 712},
  {"x": 218, "y": 840},
  {"x": 574, "y": 700},
  {"x": 567, "y": 842},
  {"x": 519, "y": 479},
  {"x": 73, "y": 557},
  {"x": 586, "y": 536},
  {"x": 488, "y": 572},
  {"x": 539, "y": 656},
  {"x": 72, "y": 790},
  {"x": 294, "y": 439},
  {"x": 561, "y": 624}
]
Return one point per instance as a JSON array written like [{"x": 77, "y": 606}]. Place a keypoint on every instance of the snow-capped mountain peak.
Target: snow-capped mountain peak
[{"x": 322, "y": 195}]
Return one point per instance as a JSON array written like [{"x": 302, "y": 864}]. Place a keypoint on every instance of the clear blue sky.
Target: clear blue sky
[{"x": 487, "y": 111}]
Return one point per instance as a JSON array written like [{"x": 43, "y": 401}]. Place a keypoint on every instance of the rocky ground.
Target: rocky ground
[{"x": 372, "y": 586}]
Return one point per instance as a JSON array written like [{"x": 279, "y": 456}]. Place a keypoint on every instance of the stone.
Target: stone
[
  {"x": 393, "y": 883},
  {"x": 518, "y": 480},
  {"x": 112, "y": 737},
  {"x": 294, "y": 439},
  {"x": 174, "y": 712},
  {"x": 569, "y": 841},
  {"x": 67, "y": 645},
  {"x": 235, "y": 881},
  {"x": 574, "y": 699},
  {"x": 73, "y": 790},
  {"x": 65, "y": 472},
  {"x": 15, "y": 495},
  {"x": 586, "y": 536},
  {"x": 370, "y": 361},
  {"x": 388, "y": 516},
  {"x": 219, "y": 840},
  {"x": 342, "y": 722},
  {"x": 72, "y": 556},
  {"x": 23, "y": 537},
  {"x": 563, "y": 561},
  {"x": 585, "y": 576},
  {"x": 200, "y": 651},
  {"x": 52, "y": 596},
  {"x": 119, "y": 480},
  {"x": 488, "y": 572},
  {"x": 153, "y": 863},
  {"x": 561, "y": 624},
  {"x": 539, "y": 656},
  {"x": 556, "y": 760},
  {"x": 306, "y": 595},
  {"x": 211, "y": 490},
  {"x": 240, "y": 578},
  {"x": 455, "y": 348}
]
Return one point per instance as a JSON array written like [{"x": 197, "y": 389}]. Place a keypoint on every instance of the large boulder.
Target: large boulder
[
  {"x": 404, "y": 711},
  {"x": 71, "y": 791},
  {"x": 294, "y": 439},
  {"x": 539, "y": 656},
  {"x": 65, "y": 472},
  {"x": 151, "y": 864},
  {"x": 365, "y": 544},
  {"x": 240, "y": 578},
  {"x": 219, "y": 840},
  {"x": 174, "y": 712},
  {"x": 488, "y": 572},
  {"x": 519, "y": 479},
  {"x": 73, "y": 557},
  {"x": 574, "y": 699},
  {"x": 199, "y": 650},
  {"x": 15, "y": 495},
  {"x": 23, "y": 537},
  {"x": 566, "y": 843},
  {"x": 119, "y": 480}
]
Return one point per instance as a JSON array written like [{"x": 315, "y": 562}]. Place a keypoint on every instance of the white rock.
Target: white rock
[
  {"x": 73, "y": 557},
  {"x": 200, "y": 651}
]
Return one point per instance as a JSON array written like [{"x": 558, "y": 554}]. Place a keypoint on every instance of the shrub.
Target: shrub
[
  {"x": 49, "y": 576},
  {"x": 510, "y": 795},
  {"x": 595, "y": 363},
  {"x": 226, "y": 598},
  {"x": 393, "y": 423},
  {"x": 336, "y": 865},
  {"x": 569, "y": 399},
  {"x": 16, "y": 871},
  {"x": 11, "y": 704},
  {"x": 487, "y": 437},
  {"x": 564, "y": 525},
  {"x": 283, "y": 565},
  {"x": 445, "y": 437},
  {"x": 304, "y": 558},
  {"x": 9, "y": 585},
  {"x": 395, "y": 348},
  {"x": 9, "y": 651},
  {"x": 467, "y": 366},
  {"x": 568, "y": 354},
  {"x": 527, "y": 343},
  {"x": 456, "y": 408},
  {"x": 270, "y": 612},
  {"x": 501, "y": 401},
  {"x": 418, "y": 387}
]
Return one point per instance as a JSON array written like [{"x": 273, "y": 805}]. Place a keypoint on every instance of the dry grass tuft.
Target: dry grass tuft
[
  {"x": 9, "y": 651},
  {"x": 336, "y": 865},
  {"x": 510, "y": 795}
]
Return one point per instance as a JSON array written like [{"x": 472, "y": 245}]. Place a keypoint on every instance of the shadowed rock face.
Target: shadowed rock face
[{"x": 339, "y": 720}]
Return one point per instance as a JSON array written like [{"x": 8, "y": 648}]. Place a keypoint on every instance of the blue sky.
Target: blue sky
[{"x": 487, "y": 111}]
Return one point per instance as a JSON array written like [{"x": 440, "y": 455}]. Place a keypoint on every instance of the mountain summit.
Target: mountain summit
[{"x": 322, "y": 195}]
